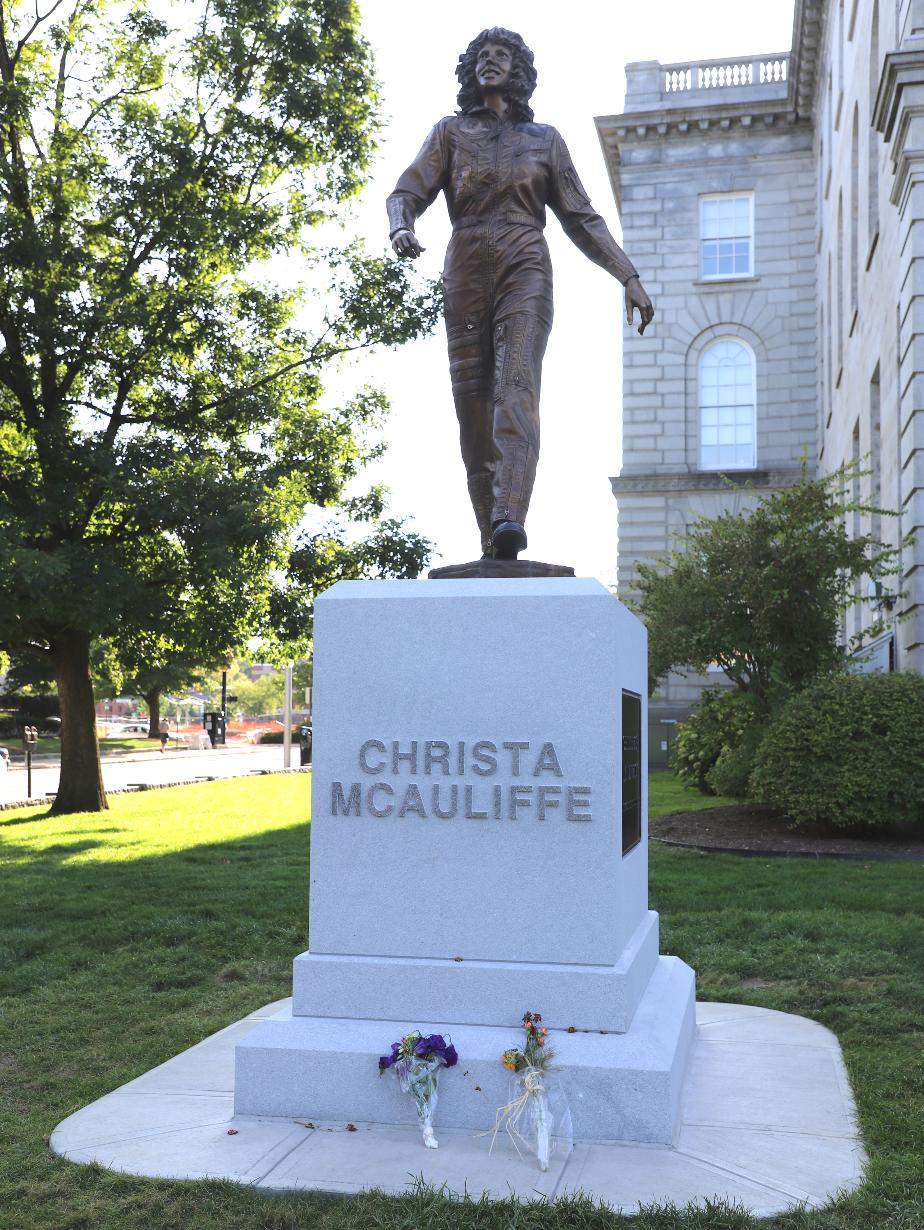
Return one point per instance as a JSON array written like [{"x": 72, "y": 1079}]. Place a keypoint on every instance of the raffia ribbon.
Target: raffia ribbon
[{"x": 509, "y": 1116}]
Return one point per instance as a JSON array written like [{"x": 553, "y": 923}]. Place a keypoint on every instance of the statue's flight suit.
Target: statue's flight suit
[{"x": 498, "y": 178}]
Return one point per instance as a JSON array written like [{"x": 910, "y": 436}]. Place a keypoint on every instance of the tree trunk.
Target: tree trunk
[
  {"x": 81, "y": 784},
  {"x": 153, "y": 699}
]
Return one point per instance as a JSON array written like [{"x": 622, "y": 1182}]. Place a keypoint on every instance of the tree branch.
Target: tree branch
[
  {"x": 126, "y": 92},
  {"x": 35, "y": 142},
  {"x": 39, "y": 18},
  {"x": 317, "y": 355}
]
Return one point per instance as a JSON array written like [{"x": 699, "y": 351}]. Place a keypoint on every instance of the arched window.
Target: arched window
[
  {"x": 840, "y": 53},
  {"x": 840, "y": 280},
  {"x": 855, "y": 209},
  {"x": 873, "y": 152},
  {"x": 832, "y": 375},
  {"x": 726, "y": 406}
]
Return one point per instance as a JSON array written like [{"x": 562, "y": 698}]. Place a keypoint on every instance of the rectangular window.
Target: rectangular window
[{"x": 727, "y": 235}]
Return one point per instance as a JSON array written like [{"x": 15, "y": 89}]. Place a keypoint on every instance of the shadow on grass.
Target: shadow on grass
[{"x": 29, "y": 819}]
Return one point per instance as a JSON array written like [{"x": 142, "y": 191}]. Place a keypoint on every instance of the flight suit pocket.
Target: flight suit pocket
[
  {"x": 464, "y": 168},
  {"x": 521, "y": 367},
  {"x": 467, "y": 367},
  {"x": 572, "y": 189}
]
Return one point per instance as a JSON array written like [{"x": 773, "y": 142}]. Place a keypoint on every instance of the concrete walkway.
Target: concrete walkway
[
  {"x": 126, "y": 769},
  {"x": 767, "y": 1121}
]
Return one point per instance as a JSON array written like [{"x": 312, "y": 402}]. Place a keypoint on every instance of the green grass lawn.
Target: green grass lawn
[
  {"x": 667, "y": 793},
  {"x": 127, "y": 936},
  {"x": 131, "y": 744},
  {"x": 51, "y": 745}
]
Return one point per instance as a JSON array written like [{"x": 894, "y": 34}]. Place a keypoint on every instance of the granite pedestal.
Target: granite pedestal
[{"x": 478, "y": 847}]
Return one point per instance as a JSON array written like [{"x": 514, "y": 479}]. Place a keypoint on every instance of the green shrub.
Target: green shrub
[
  {"x": 731, "y": 773},
  {"x": 718, "y": 724},
  {"x": 848, "y": 750}
]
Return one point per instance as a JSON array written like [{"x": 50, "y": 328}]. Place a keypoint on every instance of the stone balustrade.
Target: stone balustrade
[
  {"x": 722, "y": 74},
  {"x": 651, "y": 84}
]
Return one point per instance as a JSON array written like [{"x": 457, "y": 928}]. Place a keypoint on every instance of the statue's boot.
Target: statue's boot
[{"x": 508, "y": 539}]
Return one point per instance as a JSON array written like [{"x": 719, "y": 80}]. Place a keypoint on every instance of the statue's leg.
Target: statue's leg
[
  {"x": 470, "y": 368},
  {"x": 519, "y": 346}
]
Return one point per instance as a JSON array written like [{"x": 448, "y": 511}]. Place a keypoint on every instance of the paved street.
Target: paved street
[{"x": 151, "y": 768}]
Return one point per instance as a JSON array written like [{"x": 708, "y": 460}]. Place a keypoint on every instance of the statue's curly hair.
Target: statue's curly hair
[{"x": 522, "y": 73}]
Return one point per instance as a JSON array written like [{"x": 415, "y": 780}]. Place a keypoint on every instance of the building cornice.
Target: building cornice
[
  {"x": 687, "y": 111},
  {"x": 899, "y": 69},
  {"x": 632, "y": 126},
  {"x": 659, "y": 483},
  {"x": 897, "y": 114},
  {"x": 807, "y": 29}
]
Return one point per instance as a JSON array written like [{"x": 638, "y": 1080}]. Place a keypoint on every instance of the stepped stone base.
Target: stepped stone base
[
  {"x": 475, "y": 992},
  {"x": 621, "y": 1086}
]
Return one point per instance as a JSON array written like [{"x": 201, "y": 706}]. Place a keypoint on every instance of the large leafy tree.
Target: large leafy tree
[
  {"x": 761, "y": 594},
  {"x": 161, "y": 429}
]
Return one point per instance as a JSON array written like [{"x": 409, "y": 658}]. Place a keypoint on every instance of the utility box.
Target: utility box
[
  {"x": 304, "y": 744},
  {"x": 214, "y": 724}
]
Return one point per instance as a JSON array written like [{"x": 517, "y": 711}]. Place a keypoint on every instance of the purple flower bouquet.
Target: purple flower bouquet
[{"x": 416, "y": 1061}]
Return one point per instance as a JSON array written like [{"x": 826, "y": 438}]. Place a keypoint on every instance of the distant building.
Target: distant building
[
  {"x": 258, "y": 670},
  {"x": 775, "y": 207}
]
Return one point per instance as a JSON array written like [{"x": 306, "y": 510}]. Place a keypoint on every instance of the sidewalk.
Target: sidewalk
[
  {"x": 127, "y": 754},
  {"x": 140, "y": 767},
  {"x": 767, "y": 1123}
]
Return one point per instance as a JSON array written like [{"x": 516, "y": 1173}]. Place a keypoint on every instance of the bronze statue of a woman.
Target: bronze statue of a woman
[{"x": 499, "y": 171}]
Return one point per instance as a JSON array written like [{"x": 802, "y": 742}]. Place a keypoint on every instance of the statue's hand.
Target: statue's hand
[
  {"x": 404, "y": 243},
  {"x": 636, "y": 297}
]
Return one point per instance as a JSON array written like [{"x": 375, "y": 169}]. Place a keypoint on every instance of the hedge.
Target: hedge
[
  {"x": 848, "y": 751},
  {"x": 716, "y": 727}
]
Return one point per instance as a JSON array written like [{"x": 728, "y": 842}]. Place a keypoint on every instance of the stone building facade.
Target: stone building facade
[{"x": 774, "y": 205}]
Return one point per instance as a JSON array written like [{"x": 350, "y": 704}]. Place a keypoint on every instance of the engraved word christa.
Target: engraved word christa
[{"x": 525, "y": 793}]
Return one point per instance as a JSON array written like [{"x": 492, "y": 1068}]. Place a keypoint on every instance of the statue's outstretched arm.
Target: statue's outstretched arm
[
  {"x": 585, "y": 228},
  {"x": 415, "y": 191}
]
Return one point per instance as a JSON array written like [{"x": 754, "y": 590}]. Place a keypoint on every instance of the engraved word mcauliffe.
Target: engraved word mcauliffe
[{"x": 447, "y": 800}]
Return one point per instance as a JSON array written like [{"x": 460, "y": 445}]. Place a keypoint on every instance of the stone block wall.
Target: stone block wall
[
  {"x": 662, "y": 160},
  {"x": 829, "y": 138}
]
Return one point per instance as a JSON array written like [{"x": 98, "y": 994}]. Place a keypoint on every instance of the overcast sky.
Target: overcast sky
[{"x": 581, "y": 75}]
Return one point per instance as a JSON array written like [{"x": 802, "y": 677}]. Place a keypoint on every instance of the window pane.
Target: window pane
[
  {"x": 726, "y": 393},
  {"x": 725, "y": 226}
]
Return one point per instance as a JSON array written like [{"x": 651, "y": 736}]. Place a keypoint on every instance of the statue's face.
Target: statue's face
[{"x": 493, "y": 67}]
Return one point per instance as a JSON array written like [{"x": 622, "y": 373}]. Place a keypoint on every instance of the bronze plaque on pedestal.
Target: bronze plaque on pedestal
[{"x": 631, "y": 770}]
